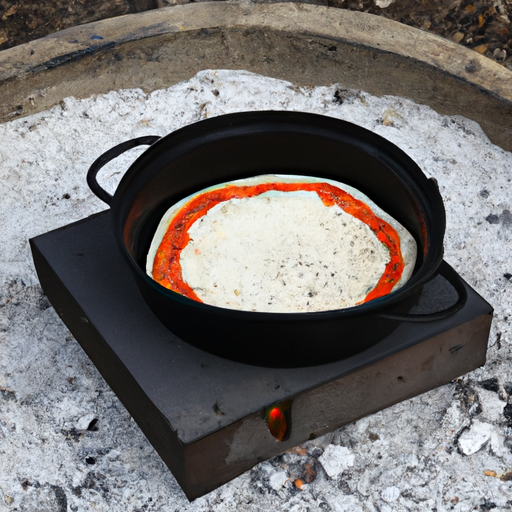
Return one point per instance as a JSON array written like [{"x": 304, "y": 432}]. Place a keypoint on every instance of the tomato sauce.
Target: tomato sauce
[{"x": 167, "y": 268}]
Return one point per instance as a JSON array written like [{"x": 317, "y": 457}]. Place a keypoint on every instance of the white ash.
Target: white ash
[
  {"x": 390, "y": 494},
  {"x": 277, "y": 480},
  {"x": 48, "y": 387},
  {"x": 475, "y": 438},
  {"x": 336, "y": 459}
]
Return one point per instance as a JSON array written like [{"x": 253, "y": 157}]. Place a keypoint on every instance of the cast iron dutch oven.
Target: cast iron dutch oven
[{"x": 247, "y": 144}]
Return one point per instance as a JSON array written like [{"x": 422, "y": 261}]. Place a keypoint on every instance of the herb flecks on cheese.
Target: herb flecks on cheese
[{"x": 281, "y": 244}]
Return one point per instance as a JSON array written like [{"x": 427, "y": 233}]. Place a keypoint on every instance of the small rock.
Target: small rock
[
  {"x": 458, "y": 37},
  {"x": 277, "y": 480},
  {"x": 383, "y": 3},
  {"x": 491, "y": 384},
  {"x": 84, "y": 421},
  {"x": 500, "y": 54},
  {"x": 492, "y": 406},
  {"x": 481, "y": 48},
  {"x": 355, "y": 4},
  {"x": 474, "y": 439},
  {"x": 506, "y": 477},
  {"x": 336, "y": 459},
  {"x": 390, "y": 494},
  {"x": 390, "y": 117},
  {"x": 506, "y": 218}
]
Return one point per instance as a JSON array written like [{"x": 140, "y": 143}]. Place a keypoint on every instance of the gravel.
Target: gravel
[{"x": 67, "y": 443}]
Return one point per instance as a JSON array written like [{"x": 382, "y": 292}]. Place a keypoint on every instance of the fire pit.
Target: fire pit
[
  {"x": 305, "y": 44},
  {"x": 210, "y": 418},
  {"x": 228, "y": 425}
]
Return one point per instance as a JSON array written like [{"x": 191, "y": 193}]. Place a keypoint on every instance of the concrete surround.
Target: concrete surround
[{"x": 303, "y": 43}]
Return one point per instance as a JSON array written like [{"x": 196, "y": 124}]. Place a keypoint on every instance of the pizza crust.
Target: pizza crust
[{"x": 284, "y": 251}]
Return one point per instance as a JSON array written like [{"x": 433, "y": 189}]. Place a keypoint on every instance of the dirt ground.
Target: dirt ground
[
  {"x": 483, "y": 25},
  {"x": 25, "y": 20}
]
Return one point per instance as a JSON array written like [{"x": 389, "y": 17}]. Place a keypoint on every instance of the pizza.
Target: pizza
[{"x": 276, "y": 243}]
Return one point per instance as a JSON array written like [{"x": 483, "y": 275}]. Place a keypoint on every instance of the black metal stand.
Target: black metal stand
[{"x": 205, "y": 415}]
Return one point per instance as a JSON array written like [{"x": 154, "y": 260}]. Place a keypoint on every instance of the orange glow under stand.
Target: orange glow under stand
[
  {"x": 277, "y": 424},
  {"x": 167, "y": 268}
]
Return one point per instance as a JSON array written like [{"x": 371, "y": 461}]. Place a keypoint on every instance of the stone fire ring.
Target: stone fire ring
[{"x": 302, "y": 43}]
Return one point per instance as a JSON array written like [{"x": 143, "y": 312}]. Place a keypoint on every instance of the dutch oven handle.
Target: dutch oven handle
[
  {"x": 453, "y": 278},
  {"x": 110, "y": 155}
]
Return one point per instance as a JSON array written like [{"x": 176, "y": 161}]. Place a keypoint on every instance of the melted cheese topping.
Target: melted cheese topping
[{"x": 284, "y": 251}]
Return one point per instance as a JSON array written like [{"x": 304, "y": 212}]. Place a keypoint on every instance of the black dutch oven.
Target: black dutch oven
[{"x": 247, "y": 144}]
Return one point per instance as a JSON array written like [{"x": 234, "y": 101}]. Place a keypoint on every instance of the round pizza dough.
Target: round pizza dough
[{"x": 284, "y": 251}]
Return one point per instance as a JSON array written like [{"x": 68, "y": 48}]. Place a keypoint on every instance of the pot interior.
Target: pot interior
[{"x": 249, "y": 144}]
